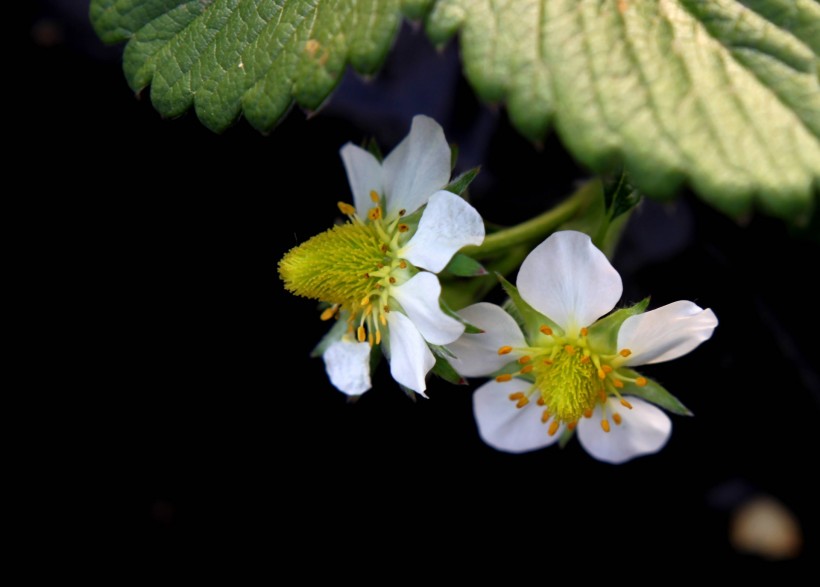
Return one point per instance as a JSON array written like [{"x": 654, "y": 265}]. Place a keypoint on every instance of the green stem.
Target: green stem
[{"x": 534, "y": 228}]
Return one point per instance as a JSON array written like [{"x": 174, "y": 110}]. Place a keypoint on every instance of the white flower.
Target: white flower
[
  {"x": 572, "y": 368},
  {"x": 368, "y": 269}
]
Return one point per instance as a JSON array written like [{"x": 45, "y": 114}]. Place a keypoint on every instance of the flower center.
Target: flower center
[
  {"x": 569, "y": 378},
  {"x": 352, "y": 267}
]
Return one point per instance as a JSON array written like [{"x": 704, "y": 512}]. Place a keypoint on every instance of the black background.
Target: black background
[{"x": 189, "y": 421}]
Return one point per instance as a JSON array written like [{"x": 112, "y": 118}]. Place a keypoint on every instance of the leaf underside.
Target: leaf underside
[{"x": 722, "y": 95}]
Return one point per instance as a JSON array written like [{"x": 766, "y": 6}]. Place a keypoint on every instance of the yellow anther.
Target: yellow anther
[
  {"x": 618, "y": 383},
  {"x": 601, "y": 374},
  {"x": 375, "y": 213},
  {"x": 588, "y": 413},
  {"x": 505, "y": 350},
  {"x": 625, "y": 352},
  {"x": 346, "y": 209},
  {"x": 605, "y": 425},
  {"x": 386, "y": 309},
  {"x": 503, "y": 377},
  {"x": 522, "y": 402},
  {"x": 540, "y": 401},
  {"x": 515, "y": 396},
  {"x": 553, "y": 427},
  {"x": 584, "y": 331},
  {"x": 361, "y": 335},
  {"x": 525, "y": 359},
  {"x": 383, "y": 319},
  {"x": 607, "y": 369},
  {"x": 545, "y": 416},
  {"x": 370, "y": 338},
  {"x": 374, "y": 196},
  {"x": 617, "y": 418},
  {"x": 526, "y": 369},
  {"x": 392, "y": 280},
  {"x": 570, "y": 350},
  {"x": 365, "y": 300},
  {"x": 572, "y": 425},
  {"x": 641, "y": 381},
  {"x": 546, "y": 330},
  {"x": 602, "y": 396},
  {"x": 585, "y": 359},
  {"x": 626, "y": 404},
  {"x": 378, "y": 337},
  {"x": 403, "y": 228},
  {"x": 547, "y": 361},
  {"x": 329, "y": 313},
  {"x": 402, "y": 212}
]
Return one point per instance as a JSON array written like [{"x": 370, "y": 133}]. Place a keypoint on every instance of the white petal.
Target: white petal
[
  {"x": 504, "y": 426},
  {"x": 364, "y": 173},
  {"x": 420, "y": 299},
  {"x": 569, "y": 280},
  {"x": 417, "y": 167},
  {"x": 667, "y": 333},
  {"x": 477, "y": 354},
  {"x": 348, "y": 366},
  {"x": 643, "y": 430},
  {"x": 410, "y": 359},
  {"x": 447, "y": 224}
]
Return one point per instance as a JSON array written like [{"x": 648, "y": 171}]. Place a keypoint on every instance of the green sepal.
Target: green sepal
[
  {"x": 566, "y": 436},
  {"x": 445, "y": 370},
  {"x": 528, "y": 317},
  {"x": 459, "y": 185},
  {"x": 655, "y": 393},
  {"x": 468, "y": 328},
  {"x": 334, "y": 334},
  {"x": 462, "y": 265},
  {"x": 603, "y": 335},
  {"x": 619, "y": 196},
  {"x": 453, "y": 156},
  {"x": 409, "y": 392},
  {"x": 372, "y": 147}
]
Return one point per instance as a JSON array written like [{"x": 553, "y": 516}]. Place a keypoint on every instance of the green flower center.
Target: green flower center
[
  {"x": 569, "y": 379},
  {"x": 352, "y": 267}
]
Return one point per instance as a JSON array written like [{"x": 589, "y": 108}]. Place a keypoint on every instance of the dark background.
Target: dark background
[{"x": 189, "y": 420}]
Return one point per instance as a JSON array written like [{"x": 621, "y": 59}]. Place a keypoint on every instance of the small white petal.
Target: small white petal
[
  {"x": 447, "y": 224},
  {"x": 643, "y": 430},
  {"x": 569, "y": 280},
  {"x": 417, "y": 167},
  {"x": 477, "y": 354},
  {"x": 348, "y": 366},
  {"x": 419, "y": 297},
  {"x": 410, "y": 358},
  {"x": 666, "y": 333},
  {"x": 364, "y": 173},
  {"x": 506, "y": 427}
]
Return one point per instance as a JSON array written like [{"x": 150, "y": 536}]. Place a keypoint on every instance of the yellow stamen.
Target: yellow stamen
[
  {"x": 641, "y": 381},
  {"x": 505, "y": 350},
  {"x": 383, "y": 319},
  {"x": 545, "y": 416},
  {"x": 525, "y": 359},
  {"x": 617, "y": 418},
  {"x": 553, "y": 427},
  {"x": 572, "y": 425},
  {"x": 504, "y": 377},
  {"x": 548, "y": 361},
  {"x": 360, "y": 334},
  {"x": 605, "y": 425},
  {"x": 346, "y": 209},
  {"x": 588, "y": 413},
  {"x": 625, "y": 352},
  {"x": 618, "y": 383},
  {"x": 374, "y": 196},
  {"x": 522, "y": 402},
  {"x": 540, "y": 401},
  {"x": 584, "y": 331},
  {"x": 370, "y": 338},
  {"x": 626, "y": 404},
  {"x": 365, "y": 300},
  {"x": 515, "y": 396},
  {"x": 602, "y": 396},
  {"x": 402, "y": 264},
  {"x": 402, "y": 212},
  {"x": 378, "y": 337},
  {"x": 607, "y": 369},
  {"x": 392, "y": 280},
  {"x": 526, "y": 369},
  {"x": 546, "y": 330},
  {"x": 403, "y": 228},
  {"x": 329, "y": 313},
  {"x": 570, "y": 350},
  {"x": 585, "y": 359},
  {"x": 601, "y": 374},
  {"x": 375, "y": 213}
]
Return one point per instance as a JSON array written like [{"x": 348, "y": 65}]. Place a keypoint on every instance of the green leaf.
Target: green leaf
[
  {"x": 227, "y": 57},
  {"x": 464, "y": 266},
  {"x": 722, "y": 95},
  {"x": 654, "y": 392}
]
